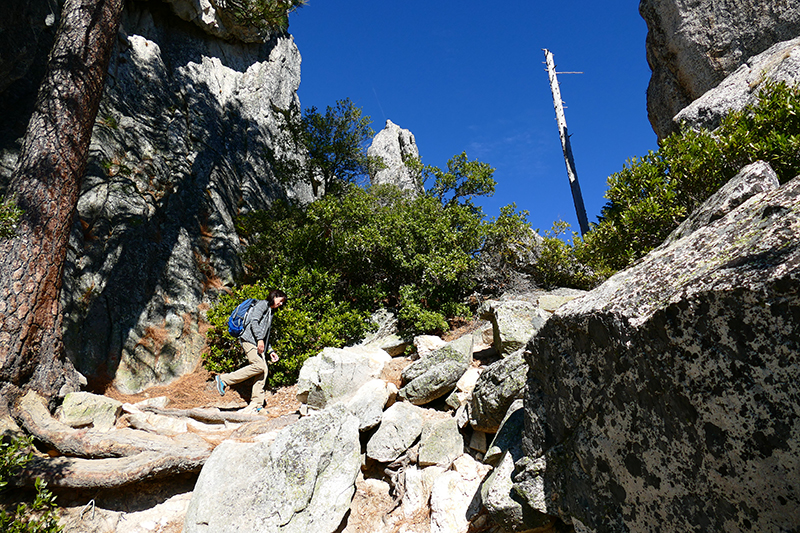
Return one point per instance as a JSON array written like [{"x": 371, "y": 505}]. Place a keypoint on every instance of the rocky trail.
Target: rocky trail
[{"x": 159, "y": 505}]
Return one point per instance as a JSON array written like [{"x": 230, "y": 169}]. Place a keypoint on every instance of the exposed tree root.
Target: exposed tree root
[
  {"x": 73, "y": 472},
  {"x": 208, "y": 416},
  {"x": 104, "y": 459}
]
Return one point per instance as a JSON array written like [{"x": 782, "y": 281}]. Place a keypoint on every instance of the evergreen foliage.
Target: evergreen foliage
[
  {"x": 262, "y": 14},
  {"x": 38, "y": 516},
  {"x": 335, "y": 144},
  {"x": 653, "y": 194},
  {"x": 560, "y": 264},
  {"x": 384, "y": 246}
]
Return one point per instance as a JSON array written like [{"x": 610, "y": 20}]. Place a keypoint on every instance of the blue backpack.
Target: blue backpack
[{"x": 236, "y": 320}]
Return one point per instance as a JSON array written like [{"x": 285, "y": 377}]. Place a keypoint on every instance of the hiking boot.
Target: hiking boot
[
  {"x": 250, "y": 410},
  {"x": 221, "y": 387}
]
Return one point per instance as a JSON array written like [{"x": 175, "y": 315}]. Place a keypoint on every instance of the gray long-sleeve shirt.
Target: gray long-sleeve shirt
[{"x": 257, "y": 323}]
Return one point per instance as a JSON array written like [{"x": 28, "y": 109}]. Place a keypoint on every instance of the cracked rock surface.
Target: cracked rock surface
[{"x": 669, "y": 395}]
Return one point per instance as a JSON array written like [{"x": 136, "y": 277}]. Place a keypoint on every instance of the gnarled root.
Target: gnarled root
[{"x": 105, "y": 459}]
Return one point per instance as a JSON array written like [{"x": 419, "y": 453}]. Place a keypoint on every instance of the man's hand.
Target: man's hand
[
  {"x": 260, "y": 347},
  {"x": 273, "y": 357}
]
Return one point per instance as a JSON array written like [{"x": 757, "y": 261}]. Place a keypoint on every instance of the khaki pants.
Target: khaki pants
[{"x": 257, "y": 369}]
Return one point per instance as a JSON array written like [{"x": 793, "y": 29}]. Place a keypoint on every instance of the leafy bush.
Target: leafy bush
[
  {"x": 38, "y": 516},
  {"x": 559, "y": 264},
  {"x": 375, "y": 242},
  {"x": 650, "y": 197},
  {"x": 311, "y": 319},
  {"x": 9, "y": 217},
  {"x": 264, "y": 14},
  {"x": 511, "y": 238}
]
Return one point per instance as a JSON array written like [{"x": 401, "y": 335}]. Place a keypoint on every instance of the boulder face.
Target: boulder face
[
  {"x": 178, "y": 151},
  {"x": 693, "y": 46},
  {"x": 302, "y": 481},
  {"x": 437, "y": 374},
  {"x": 780, "y": 63},
  {"x": 336, "y": 374},
  {"x": 668, "y": 395},
  {"x": 755, "y": 178},
  {"x": 499, "y": 386}
]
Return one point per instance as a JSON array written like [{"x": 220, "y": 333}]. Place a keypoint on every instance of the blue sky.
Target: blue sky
[{"x": 470, "y": 76}]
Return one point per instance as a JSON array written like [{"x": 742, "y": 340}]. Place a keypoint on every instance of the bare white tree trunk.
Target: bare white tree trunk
[{"x": 577, "y": 197}]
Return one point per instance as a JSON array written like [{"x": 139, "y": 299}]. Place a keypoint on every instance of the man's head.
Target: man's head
[{"x": 276, "y": 298}]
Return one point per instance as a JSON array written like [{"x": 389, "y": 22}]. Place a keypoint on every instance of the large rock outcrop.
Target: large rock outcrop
[
  {"x": 693, "y": 46},
  {"x": 667, "y": 397},
  {"x": 394, "y": 145},
  {"x": 780, "y": 63},
  {"x": 178, "y": 151}
]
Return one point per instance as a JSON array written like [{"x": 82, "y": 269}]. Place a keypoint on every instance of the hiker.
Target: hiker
[{"x": 255, "y": 341}]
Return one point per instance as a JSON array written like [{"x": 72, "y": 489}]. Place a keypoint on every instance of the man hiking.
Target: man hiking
[{"x": 255, "y": 341}]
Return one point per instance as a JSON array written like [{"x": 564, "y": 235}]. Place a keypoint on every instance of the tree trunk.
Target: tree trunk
[
  {"x": 46, "y": 184},
  {"x": 572, "y": 174}
]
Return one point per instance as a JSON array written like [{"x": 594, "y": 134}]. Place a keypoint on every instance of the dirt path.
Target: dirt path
[{"x": 197, "y": 390}]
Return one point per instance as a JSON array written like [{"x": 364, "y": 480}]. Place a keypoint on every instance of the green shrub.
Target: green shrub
[
  {"x": 311, "y": 319},
  {"x": 38, "y": 516},
  {"x": 9, "y": 218},
  {"x": 374, "y": 242},
  {"x": 559, "y": 263},
  {"x": 264, "y": 14},
  {"x": 652, "y": 195}
]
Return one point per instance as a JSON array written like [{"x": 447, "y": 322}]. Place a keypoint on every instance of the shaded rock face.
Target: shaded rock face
[
  {"x": 693, "y": 46},
  {"x": 669, "y": 395},
  {"x": 25, "y": 29},
  {"x": 178, "y": 151},
  {"x": 394, "y": 145}
]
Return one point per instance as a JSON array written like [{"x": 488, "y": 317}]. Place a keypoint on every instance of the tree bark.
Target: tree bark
[
  {"x": 110, "y": 473},
  {"x": 46, "y": 184}
]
